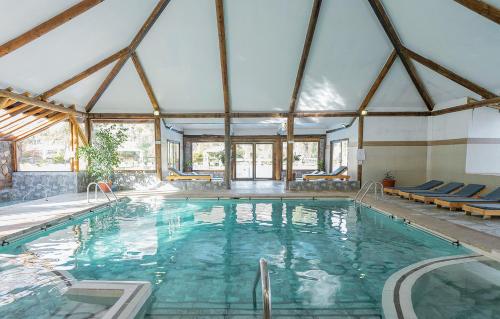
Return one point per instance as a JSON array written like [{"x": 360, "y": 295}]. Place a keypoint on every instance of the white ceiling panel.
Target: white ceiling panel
[
  {"x": 74, "y": 46},
  {"x": 125, "y": 94},
  {"x": 15, "y": 23},
  {"x": 397, "y": 92},
  {"x": 181, "y": 58},
  {"x": 450, "y": 34},
  {"x": 441, "y": 88},
  {"x": 348, "y": 51},
  {"x": 264, "y": 40},
  {"x": 80, "y": 93}
]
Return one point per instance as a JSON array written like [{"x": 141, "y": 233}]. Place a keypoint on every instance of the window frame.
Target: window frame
[{"x": 341, "y": 151}]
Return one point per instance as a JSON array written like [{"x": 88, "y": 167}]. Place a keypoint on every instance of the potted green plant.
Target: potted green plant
[
  {"x": 389, "y": 180},
  {"x": 102, "y": 155}
]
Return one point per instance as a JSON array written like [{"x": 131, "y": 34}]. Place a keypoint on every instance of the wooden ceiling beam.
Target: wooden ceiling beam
[
  {"x": 378, "y": 81},
  {"x": 79, "y": 130},
  {"x": 18, "y": 118},
  {"x": 84, "y": 74},
  {"x": 221, "y": 30},
  {"x": 47, "y": 26},
  {"x": 22, "y": 125},
  {"x": 391, "y": 33},
  {"x": 480, "y": 7},
  {"x": 468, "y": 106},
  {"x": 8, "y": 114},
  {"x": 50, "y": 122},
  {"x": 145, "y": 82},
  {"x": 157, "y": 11},
  {"x": 450, "y": 74},
  {"x": 313, "y": 19},
  {"x": 35, "y": 102}
]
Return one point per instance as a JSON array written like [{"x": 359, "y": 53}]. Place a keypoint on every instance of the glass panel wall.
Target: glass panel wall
[
  {"x": 173, "y": 154},
  {"x": 305, "y": 155},
  {"x": 338, "y": 154},
  {"x": 208, "y": 156}
]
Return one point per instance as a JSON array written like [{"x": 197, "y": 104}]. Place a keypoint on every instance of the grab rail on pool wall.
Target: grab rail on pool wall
[
  {"x": 265, "y": 280},
  {"x": 360, "y": 195},
  {"x": 98, "y": 186}
]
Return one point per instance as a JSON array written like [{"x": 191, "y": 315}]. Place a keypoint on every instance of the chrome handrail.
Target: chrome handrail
[
  {"x": 97, "y": 186},
  {"x": 360, "y": 195},
  {"x": 44, "y": 188},
  {"x": 265, "y": 280}
]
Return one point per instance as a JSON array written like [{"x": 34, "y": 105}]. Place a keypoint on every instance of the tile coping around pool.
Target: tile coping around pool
[{"x": 5, "y": 240}]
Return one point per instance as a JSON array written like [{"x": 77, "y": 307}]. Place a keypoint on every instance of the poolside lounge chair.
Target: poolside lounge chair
[
  {"x": 487, "y": 210},
  {"x": 181, "y": 176},
  {"x": 457, "y": 203},
  {"x": 468, "y": 191},
  {"x": 425, "y": 186},
  {"x": 336, "y": 174},
  {"x": 445, "y": 189}
]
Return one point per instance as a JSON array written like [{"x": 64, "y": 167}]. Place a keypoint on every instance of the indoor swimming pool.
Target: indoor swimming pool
[{"x": 201, "y": 257}]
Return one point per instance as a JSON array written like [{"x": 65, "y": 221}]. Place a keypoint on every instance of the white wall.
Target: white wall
[{"x": 483, "y": 149}]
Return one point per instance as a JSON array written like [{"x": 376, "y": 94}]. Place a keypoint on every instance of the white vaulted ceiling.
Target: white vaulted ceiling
[{"x": 264, "y": 40}]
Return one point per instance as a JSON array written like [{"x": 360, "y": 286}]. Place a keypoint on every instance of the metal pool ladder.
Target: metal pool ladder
[
  {"x": 263, "y": 275},
  {"x": 360, "y": 195},
  {"x": 95, "y": 192}
]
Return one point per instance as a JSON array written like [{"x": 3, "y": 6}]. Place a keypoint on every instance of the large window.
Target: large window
[
  {"x": 49, "y": 150},
  {"x": 305, "y": 155},
  {"x": 338, "y": 154},
  {"x": 138, "y": 152},
  {"x": 208, "y": 156},
  {"x": 173, "y": 154}
]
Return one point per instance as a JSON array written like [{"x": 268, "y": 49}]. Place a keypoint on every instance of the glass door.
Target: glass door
[
  {"x": 244, "y": 161},
  {"x": 264, "y": 161}
]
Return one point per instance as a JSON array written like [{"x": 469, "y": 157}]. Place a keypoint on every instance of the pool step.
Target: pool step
[{"x": 280, "y": 312}]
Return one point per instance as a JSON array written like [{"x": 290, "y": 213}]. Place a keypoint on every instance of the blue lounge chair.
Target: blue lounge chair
[
  {"x": 445, "y": 189},
  {"x": 425, "y": 186},
  {"x": 468, "y": 191},
  {"x": 457, "y": 202},
  {"x": 486, "y": 210}
]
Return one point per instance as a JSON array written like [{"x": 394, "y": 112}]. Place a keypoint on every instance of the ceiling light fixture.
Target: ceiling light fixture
[
  {"x": 364, "y": 112},
  {"x": 156, "y": 113}
]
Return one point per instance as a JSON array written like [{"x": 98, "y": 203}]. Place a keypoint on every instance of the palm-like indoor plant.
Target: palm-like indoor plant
[
  {"x": 102, "y": 155},
  {"x": 389, "y": 180}
]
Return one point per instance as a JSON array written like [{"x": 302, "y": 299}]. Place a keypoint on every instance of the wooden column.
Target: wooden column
[
  {"x": 158, "y": 147},
  {"x": 88, "y": 130},
  {"x": 75, "y": 162},
  {"x": 227, "y": 150},
  {"x": 13, "y": 153},
  {"x": 278, "y": 158},
  {"x": 361, "y": 126},
  {"x": 289, "y": 149}
]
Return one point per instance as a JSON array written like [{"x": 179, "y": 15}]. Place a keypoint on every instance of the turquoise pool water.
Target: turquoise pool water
[{"x": 323, "y": 256}]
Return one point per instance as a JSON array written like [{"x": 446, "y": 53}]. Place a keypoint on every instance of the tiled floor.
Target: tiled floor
[
  {"x": 472, "y": 230},
  {"x": 23, "y": 216}
]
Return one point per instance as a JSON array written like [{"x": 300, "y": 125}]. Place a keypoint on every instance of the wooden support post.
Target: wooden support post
[
  {"x": 75, "y": 162},
  {"x": 289, "y": 149},
  {"x": 227, "y": 151},
  {"x": 158, "y": 148},
  {"x": 88, "y": 130},
  {"x": 278, "y": 159},
  {"x": 361, "y": 126},
  {"x": 13, "y": 153}
]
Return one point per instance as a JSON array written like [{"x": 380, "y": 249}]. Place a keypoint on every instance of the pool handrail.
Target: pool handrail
[
  {"x": 263, "y": 275},
  {"x": 360, "y": 195},
  {"x": 97, "y": 185}
]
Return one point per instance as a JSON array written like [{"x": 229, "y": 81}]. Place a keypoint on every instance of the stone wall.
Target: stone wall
[
  {"x": 34, "y": 185},
  {"x": 324, "y": 185},
  {"x": 197, "y": 185},
  {"x": 5, "y": 165}
]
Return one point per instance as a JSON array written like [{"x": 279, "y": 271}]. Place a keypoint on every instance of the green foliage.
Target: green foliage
[
  {"x": 59, "y": 158},
  {"x": 388, "y": 175},
  {"x": 321, "y": 165},
  {"x": 102, "y": 155}
]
